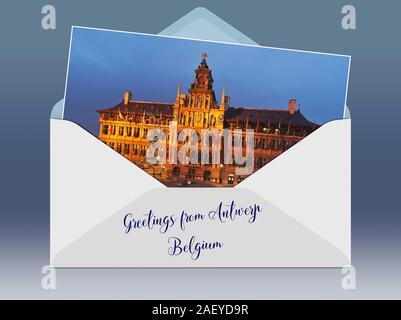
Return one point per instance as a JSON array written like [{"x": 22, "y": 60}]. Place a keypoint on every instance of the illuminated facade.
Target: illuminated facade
[{"x": 125, "y": 127}]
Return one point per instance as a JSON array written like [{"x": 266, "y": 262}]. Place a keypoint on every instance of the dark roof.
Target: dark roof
[
  {"x": 141, "y": 106},
  {"x": 261, "y": 115},
  {"x": 271, "y": 116}
]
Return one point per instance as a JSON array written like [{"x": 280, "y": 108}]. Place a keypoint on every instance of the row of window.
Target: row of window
[
  {"x": 272, "y": 144},
  {"x": 137, "y": 118},
  {"x": 261, "y": 144},
  {"x": 183, "y": 120},
  {"x": 269, "y": 144},
  {"x": 207, "y": 176},
  {"x": 260, "y": 162},
  {"x": 124, "y": 131},
  {"x": 126, "y": 148}
]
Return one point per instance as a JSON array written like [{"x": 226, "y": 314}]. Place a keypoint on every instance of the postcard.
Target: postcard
[{"x": 199, "y": 113}]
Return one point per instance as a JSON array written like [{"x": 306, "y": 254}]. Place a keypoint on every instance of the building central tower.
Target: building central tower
[{"x": 199, "y": 109}]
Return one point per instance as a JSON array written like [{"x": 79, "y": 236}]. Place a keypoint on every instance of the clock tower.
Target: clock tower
[{"x": 199, "y": 109}]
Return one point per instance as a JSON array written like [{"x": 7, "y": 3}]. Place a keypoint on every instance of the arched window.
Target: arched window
[
  {"x": 206, "y": 175},
  {"x": 191, "y": 173},
  {"x": 176, "y": 171}
]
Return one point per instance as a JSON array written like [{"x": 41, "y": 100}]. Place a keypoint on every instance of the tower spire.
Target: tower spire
[
  {"x": 178, "y": 93},
  {"x": 223, "y": 96}
]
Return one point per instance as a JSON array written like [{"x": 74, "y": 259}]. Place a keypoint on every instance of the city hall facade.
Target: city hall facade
[{"x": 125, "y": 126}]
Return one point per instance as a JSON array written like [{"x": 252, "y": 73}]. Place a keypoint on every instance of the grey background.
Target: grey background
[{"x": 32, "y": 74}]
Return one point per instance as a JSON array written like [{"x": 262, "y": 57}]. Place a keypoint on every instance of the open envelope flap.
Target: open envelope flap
[
  {"x": 202, "y": 24},
  {"x": 311, "y": 182},
  {"x": 89, "y": 182}
]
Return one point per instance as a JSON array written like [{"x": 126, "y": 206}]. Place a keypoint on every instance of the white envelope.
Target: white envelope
[{"x": 305, "y": 194}]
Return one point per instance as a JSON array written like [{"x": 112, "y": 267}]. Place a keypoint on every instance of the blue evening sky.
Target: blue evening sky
[{"x": 103, "y": 64}]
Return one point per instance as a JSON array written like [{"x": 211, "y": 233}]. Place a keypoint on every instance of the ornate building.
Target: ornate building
[{"x": 125, "y": 126}]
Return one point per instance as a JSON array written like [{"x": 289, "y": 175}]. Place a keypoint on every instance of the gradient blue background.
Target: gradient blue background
[
  {"x": 103, "y": 64},
  {"x": 33, "y": 63}
]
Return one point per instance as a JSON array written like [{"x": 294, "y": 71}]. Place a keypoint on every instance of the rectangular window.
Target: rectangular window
[
  {"x": 135, "y": 149},
  {"x": 256, "y": 143},
  {"x": 273, "y": 144},
  {"x": 119, "y": 147},
  {"x": 113, "y": 130},
  {"x": 105, "y": 129},
  {"x": 145, "y": 133},
  {"x": 111, "y": 144},
  {"x": 126, "y": 148},
  {"x": 136, "y": 132},
  {"x": 120, "y": 131},
  {"x": 129, "y": 131},
  {"x": 143, "y": 150},
  {"x": 281, "y": 145}
]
